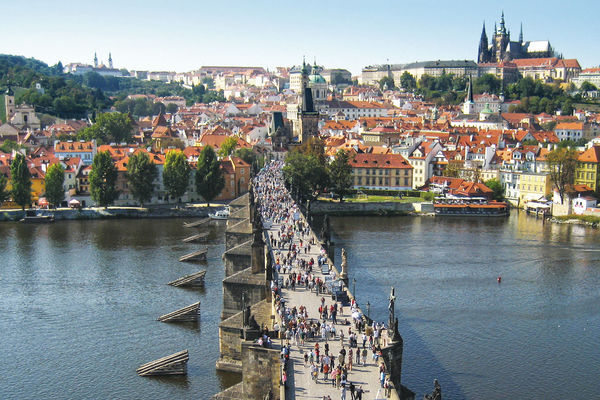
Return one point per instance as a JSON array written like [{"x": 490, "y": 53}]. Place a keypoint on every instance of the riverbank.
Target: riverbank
[
  {"x": 187, "y": 211},
  {"x": 370, "y": 208}
]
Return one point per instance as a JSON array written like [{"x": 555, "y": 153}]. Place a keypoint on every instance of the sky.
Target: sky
[{"x": 185, "y": 35}]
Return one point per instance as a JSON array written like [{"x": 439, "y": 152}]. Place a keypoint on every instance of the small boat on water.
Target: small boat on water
[
  {"x": 32, "y": 217},
  {"x": 221, "y": 214}
]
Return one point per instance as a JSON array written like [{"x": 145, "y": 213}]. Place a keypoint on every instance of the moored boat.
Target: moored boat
[
  {"x": 31, "y": 217},
  {"x": 221, "y": 214}
]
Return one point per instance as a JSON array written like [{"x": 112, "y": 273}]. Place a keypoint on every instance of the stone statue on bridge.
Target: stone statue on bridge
[
  {"x": 437, "y": 392},
  {"x": 391, "y": 310},
  {"x": 344, "y": 272}
]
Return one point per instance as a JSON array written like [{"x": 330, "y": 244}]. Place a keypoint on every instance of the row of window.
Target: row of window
[{"x": 380, "y": 181}]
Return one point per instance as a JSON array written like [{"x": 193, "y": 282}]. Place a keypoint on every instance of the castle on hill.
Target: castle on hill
[{"x": 501, "y": 48}]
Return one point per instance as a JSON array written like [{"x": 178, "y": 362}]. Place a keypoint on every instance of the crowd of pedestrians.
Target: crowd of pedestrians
[{"x": 312, "y": 330}]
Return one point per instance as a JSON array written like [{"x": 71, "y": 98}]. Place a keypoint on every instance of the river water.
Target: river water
[
  {"x": 78, "y": 308},
  {"x": 79, "y": 302},
  {"x": 533, "y": 336}
]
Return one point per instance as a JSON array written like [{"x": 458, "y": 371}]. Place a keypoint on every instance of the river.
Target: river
[
  {"x": 80, "y": 300},
  {"x": 532, "y": 336},
  {"x": 79, "y": 306}
]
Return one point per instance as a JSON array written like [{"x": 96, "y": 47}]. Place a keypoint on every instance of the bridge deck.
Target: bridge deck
[{"x": 300, "y": 383}]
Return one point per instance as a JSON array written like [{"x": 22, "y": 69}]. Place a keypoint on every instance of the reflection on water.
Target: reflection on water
[{"x": 532, "y": 336}]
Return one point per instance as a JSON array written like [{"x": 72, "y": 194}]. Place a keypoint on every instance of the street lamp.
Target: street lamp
[
  {"x": 368, "y": 310},
  {"x": 354, "y": 288}
]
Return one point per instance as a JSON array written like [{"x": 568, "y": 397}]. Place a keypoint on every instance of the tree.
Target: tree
[
  {"x": 20, "y": 181},
  {"x": 305, "y": 174},
  {"x": 562, "y": 163},
  {"x": 4, "y": 194},
  {"x": 587, "y": 87},
  {"x": 496, "y": 187},
  {"x": 176, "y": 174},
  {"x": 453, "y": 169},
  {"x": 250, "y": 157},
  {"x": 109, "y": 127},
  {"x": 103, "y": 179},
  {"x": 54, "y": 180},
  {"x": 172, "y": 108},
  {"x": 228, "y": 146},
  {"x": 141, "y": 174},
  {"x": 313, "y": 146},
  {"x": 209, "y": 177},
  {"x": 387, "y": 81},
  {"x": 407, "y": 81},
  {"x": 340, "y": 174}
]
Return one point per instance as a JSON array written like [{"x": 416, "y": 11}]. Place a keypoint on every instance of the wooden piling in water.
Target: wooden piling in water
[
  {"x": 196, "y": 255},
  {"x": 196, "y": 238},
  {"x": 186, "y": 314},
  {"x": 192, "y": 280},
  {"x": 195, "y": 223},
  {"x": 175, "y": 364}
]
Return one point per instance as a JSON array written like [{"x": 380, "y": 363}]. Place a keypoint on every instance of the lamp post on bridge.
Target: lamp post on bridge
[
  {"x": 368, "y": 310},
  {"x": 354, "y": 288}
]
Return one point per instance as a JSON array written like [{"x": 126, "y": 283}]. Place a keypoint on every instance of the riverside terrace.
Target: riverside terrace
[{"x": 291, "y": 245}]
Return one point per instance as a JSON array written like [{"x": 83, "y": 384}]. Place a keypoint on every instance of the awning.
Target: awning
[
  {"x": 43, "y": 202},
  {"x": 74, "y": 202}
]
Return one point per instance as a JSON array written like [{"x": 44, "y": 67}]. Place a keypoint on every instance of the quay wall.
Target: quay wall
[
  {"x": 113, "y": 213},
  {"x": 374, "y": 208}
]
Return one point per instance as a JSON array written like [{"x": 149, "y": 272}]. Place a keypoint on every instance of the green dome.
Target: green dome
[
  {"x": 487, "y": 109},
  {"x": 316, "y": 78}
]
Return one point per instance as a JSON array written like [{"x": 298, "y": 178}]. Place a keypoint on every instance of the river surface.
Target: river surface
[
  {"x": 78, "y": 308},
  {"x": 533, "y": 336},
  {"x": 79, "y": 302}
]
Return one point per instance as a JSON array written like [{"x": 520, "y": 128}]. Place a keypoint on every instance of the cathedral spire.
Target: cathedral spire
[
  {"x": 502, "y": 25},
  {"x": 95, "y": 60},
  {"x": 521, "y": 34},
  {"x": 110, "y": 64},
  {"x": 483, "y": 54}
]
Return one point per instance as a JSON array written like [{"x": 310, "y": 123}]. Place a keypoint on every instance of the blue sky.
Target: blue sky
[{"x": 184, "y": 35}]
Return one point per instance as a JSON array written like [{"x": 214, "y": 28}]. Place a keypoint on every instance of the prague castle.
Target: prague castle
[{"x": 501, "y": 48}]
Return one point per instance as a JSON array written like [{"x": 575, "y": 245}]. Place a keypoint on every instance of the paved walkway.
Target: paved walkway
[{"x": 300, "y": 383}]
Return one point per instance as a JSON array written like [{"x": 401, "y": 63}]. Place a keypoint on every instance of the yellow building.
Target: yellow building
[
  {"x": 381, "y": 171},
  {"x": 587, "y": 172},
  {"x": 534, "y": 186}
]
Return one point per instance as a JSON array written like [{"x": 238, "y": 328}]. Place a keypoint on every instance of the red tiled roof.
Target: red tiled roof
[{"x": 369, "y": 160}]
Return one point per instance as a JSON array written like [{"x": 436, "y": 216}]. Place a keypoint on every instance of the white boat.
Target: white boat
[{"x": 221, "y": 214}]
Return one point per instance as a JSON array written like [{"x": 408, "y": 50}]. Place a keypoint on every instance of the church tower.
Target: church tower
[
  {"x": 501, "y": 40},
  {"x": 483, "y": 55},
  {"x": 307, "y": 124},
  {"x": 95, "y": 60},
  {"x": 110, "y": 65},
  {"x": 469, "y": 104},
  {"x": 9, "y": 103}
]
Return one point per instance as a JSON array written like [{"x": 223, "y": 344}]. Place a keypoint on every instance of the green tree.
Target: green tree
[
  {"x": 54, "y": 182},
  {"x": 487, "y": 83},
  {"x": 305, "y": 174},
  {"x": 176, "y": 174},
  {"x": 407, "y": 81},
  {"x": 20, "y": 181},
  {"x": 313, "y": 146},
  {"x": 141, "y": 174},
  {"x": 109, "y": 127},
  {"x": 228, "y": 146},
  {"x": 587, "y": 87},
  {"x": 209, "y": 177},
  {"x": 172, "y": 108},
  {"x": 387, "y": 81},
  {"x": 496, "y": 187},
  {"x": 562, "y": 163},
  {"x": 249, "y": 156},
  {"x": 340, "y": 174},
  {"x": 103, "y": 179},
  {"x": 4, "y": 194}
]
